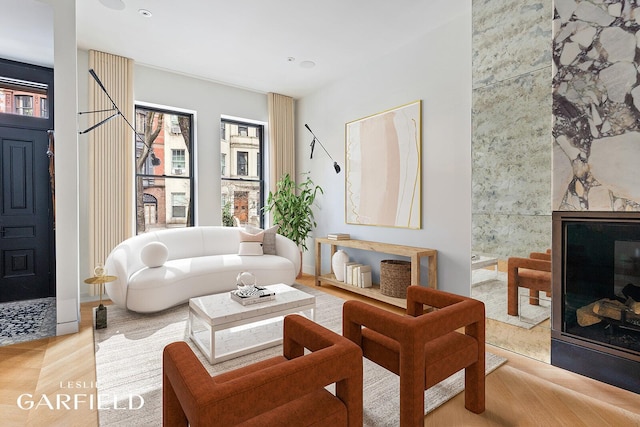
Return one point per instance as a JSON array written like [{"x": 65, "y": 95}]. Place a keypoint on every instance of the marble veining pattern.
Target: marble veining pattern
[
  {"x": 505, "y": 235},
  {"x": 220, "y": 309},
  {"x": 510, "y": 38},
  {"x": 596, "y": 105},
  {"x": 511, "y": 154},
  {"x": 511, "y": 147}
]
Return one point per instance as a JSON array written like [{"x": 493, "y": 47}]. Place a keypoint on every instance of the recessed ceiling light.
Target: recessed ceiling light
[
  {"x": 307, "y": 64},
  {"x": 113, "y": 4},
  {"x": 146, "y": 13}
]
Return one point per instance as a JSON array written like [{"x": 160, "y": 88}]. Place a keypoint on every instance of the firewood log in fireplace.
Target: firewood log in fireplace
[
  {"x": 616, "y": 310},
  {"x": 586, "y": 316},
  {"x": 608, "y": 309}
]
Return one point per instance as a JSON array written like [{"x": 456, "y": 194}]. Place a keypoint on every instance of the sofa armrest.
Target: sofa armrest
[
  {"x": 288, "y": 249},
  {"x": 116, "y": 265}
]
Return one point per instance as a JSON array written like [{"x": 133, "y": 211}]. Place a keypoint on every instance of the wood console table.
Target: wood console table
[{"x": 374, "y": 292}]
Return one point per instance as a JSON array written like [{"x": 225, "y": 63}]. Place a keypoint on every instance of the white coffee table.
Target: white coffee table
[{"x": 223, "y": 328}]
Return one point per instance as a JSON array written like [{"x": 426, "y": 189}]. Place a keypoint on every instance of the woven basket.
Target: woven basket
[{"x": 395, "y": 277}]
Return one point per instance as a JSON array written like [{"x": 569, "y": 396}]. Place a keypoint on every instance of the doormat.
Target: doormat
[{"x": 29, "y": 320}]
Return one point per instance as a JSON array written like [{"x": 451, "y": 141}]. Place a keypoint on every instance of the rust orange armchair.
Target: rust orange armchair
[
  {"x": 280, "y": 391},
  {"x": 423, "y": 348},
  {"x": 533, "y": 273}
]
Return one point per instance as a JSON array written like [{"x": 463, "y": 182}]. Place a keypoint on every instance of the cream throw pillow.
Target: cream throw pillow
[
  {"x": 268, "y": 240},
  {"x": 250, "y": 244}
]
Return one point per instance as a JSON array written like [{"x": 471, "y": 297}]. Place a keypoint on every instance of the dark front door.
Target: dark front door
[{"x": 25, "y": 216}]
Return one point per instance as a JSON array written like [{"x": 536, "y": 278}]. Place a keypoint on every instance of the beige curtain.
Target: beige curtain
[
  {"x": 110, "y": 156},
  {"x": 281, "y": 138}
]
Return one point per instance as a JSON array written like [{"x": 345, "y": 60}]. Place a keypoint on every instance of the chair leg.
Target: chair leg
[
  {"x": 534, "y": 297},
  {"x": 412, "y": 386},
  {"x": 512, "y": 299},
  {"x": 474, "y": 387},
  {"x": 172, "y": 413},
  {"x": 411, "y": 404}
]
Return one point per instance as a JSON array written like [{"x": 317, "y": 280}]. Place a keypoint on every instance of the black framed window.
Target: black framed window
[
  {"x": 164, "y": 169},
  {"x": 241, "y": 151}
]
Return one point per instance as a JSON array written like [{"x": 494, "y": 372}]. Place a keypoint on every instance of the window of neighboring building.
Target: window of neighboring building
[
  {"x": 26, "y": 95},
  {"x": 44, "y": 108},
  {"x": 178, "y": 205},
  {"x": 24, "y": 105},
  {"x": 243, "y": 163},
  {"x": 175, "y": 126},
  {"x": 178, "y": 159},
  {"x": 242, "y": 177},
  {"x": 164, "y": 165}
]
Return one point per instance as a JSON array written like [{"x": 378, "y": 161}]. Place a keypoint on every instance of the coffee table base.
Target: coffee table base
[
  {"x": 224, "y": 329},
  {"x": 232, "y": 340}
]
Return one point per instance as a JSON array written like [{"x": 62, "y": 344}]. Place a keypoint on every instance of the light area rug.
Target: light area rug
[
  {"x": 492, "y": 290},
  {"x": 129, "y": 364}
]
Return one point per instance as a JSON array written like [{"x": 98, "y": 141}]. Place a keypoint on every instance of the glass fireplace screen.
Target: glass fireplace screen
[{"x": 601, "y": 283}]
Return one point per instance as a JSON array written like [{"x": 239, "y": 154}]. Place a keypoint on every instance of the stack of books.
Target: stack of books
[
  {"x": 252, "y": 296},
  {"x": 338, "y": 236},
  {"x": 358, "y": 275}
]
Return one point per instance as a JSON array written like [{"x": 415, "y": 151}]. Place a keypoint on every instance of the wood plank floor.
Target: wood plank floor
[{"x": 523, "y": 392}]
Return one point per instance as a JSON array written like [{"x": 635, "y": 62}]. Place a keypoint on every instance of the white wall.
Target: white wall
[
  {"x": 436, "y": 69},
  {"x": 66, "y": 163}
]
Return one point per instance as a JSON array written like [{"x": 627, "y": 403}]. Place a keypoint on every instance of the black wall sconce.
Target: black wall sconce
[
  {"x": 336, "y": 166},
  {"x": 155, "y": 161}
]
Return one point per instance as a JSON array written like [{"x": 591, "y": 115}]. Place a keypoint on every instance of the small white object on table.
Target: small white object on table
[{"x": 224, "y": 329}]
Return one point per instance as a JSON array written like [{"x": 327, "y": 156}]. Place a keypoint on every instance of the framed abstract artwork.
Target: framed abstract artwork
[{"x": 383, "y": 168}]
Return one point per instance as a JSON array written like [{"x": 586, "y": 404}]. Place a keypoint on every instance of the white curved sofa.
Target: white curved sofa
[{"x": 200, "y": 261}]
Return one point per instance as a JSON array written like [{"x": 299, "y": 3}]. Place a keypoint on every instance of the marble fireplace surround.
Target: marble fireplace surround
[
  {"x": 575, "y": 149},
  {"x": 576, "y": 101},
  {"x": 596, "y": 138},
  {"x": 596, "y": 106},
  {"x": 511, "y": 133}
]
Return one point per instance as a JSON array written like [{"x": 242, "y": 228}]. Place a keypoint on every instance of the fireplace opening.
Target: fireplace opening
[{"x": 596, "y": 295}]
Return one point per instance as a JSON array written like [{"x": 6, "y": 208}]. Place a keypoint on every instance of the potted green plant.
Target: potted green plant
[{"x": 290, "y": 206}]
